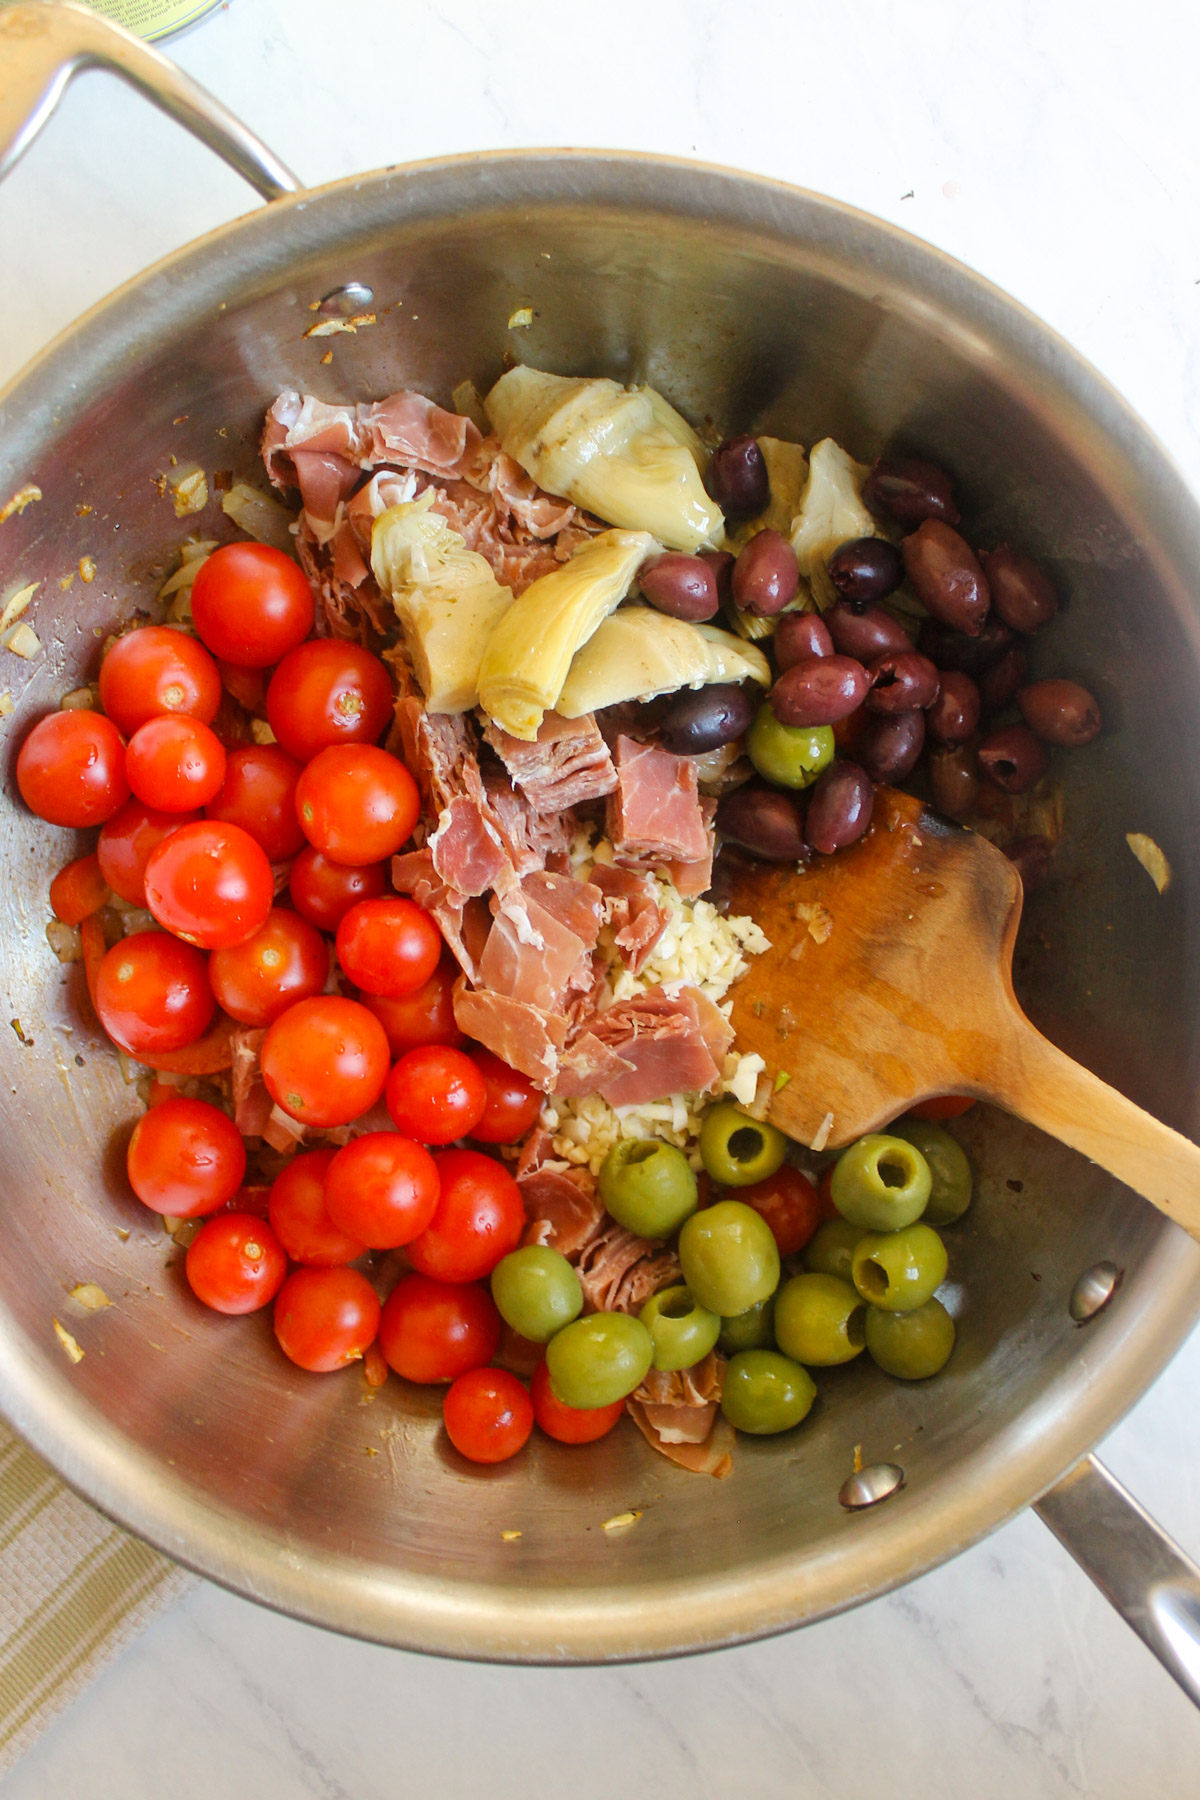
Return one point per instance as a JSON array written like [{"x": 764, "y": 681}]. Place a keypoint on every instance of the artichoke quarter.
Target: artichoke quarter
[
  {"x": 831, "y": 513},
  {"x": 638, "y": 653}
]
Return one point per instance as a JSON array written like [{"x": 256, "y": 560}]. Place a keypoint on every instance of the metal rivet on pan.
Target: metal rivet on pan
[
  {"x": 1093, "y": 1291},
  {"x": 867, "y": 1487},
  {"x": 345, "y": 302}
]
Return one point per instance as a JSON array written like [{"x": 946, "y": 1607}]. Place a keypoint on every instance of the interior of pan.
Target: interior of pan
[{"x": 752, "y": 306}]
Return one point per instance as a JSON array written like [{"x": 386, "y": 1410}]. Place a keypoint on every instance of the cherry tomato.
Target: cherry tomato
[
  {"x": 251, "y": 604},
  {"x": 569, "y": 1424},
  {"x": 437, "y": 1330},
  {"x": 325, "y": 1061},
  {"x": 235, "y": 1263},
  {"x": 356, "y": 804},
  {"x": 946, "y": 1106},
  {"x": 153, "y": 994},
  {"x": 71, "y": 769},
  {"x": 479, "y": 1219},
  {"x": 326, "y": 1318},
  {"x": 259, "y": 794},
  {"x": 789, "y": 1203},
  {"x": 252, "y": 1198},
  {"x": 382, "y": 1188},
  {"x": 328, "y": 692},
  {"x": 512, "y": 1104},
  {"x": 423, "y": 1017},
  {"x": 127, "y": 842},
  {"x": 255, "y": 981},
  {"x": 299, "y": 1217},
  {"x": 488, "y": 1415},
  {"x": 78, "y": 890},
  {"x": 825, "y": 1194},
  {"x": 175, "y": 763},
  {"x": 156, "y": 669},
  {"x": 435, "y": 1094},
  {"x": 246, "y": 686},
  {"x": 210, "y": 884},
  {"x": 323, "y": 891},
  {"x": 185, "y": 1158},
  {"x": 388, "y": 946}
]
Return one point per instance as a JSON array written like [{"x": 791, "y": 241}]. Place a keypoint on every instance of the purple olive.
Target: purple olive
[
  {"x": 901, "y": 682},
  {"x": 1061, "y": 712},
  {"x": 766, "y": 576},
  {"x": 702, "y": 719},
  {"x": 799, "y": 636},
  {"x": 909, "y": 490},
  {"x": 954, "y": 779},
  {"x": 954, "y": 715},
  {"x": 763, "y": 820},
  {"x": 1022, "y": 592},
  {"x": 954, "y": 650},
  {"x": 867, "y": 569},
  {"x": 946, "y": 574},
  {"x": 999, "y": 684},
  {"x": 1031, "y": 855},
  {"x": 721, "y": 563},
  {"x": 1013, "y": 758},
  {"x": 737, "y": 478},
  {"x": 866, "y": 633},
  {"x": 890, "y": 743},
  {"x": 684, "y": 587},
  {"x": 840, "y": 804},
  {"x": 820, "y": 691}
]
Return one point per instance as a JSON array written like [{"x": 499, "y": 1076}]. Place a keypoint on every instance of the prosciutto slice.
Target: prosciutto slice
[
  {"x": 654, "y": 811},
  {"x": 619, "y": 1271},
  {"x": 674, "y": 1043},
  {"x": 514, "y": 1031},
  {"x": 563, "y": 1208},
  {"x": 251, "y": 1101},
  {"x": 712, "y": 1457},
  {"x": 636, "y": 918},
  {"x": 409, "y": 429},
  {"x": 567, "y": 764}
]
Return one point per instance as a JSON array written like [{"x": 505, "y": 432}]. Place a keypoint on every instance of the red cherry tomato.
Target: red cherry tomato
[
  {"x": 825, "y": 1194},
  {"x": 210, "y": 884},
  {"x": 946, "y": 1106},
  {"x": 246, "y": 686},
  {"x": 423, "y": 1017},
  {"x": 79, "y": 890},
  {"x": 251, "y": 604},
  {"x": 175, "y": 763},
  {"x": 185, "y": 1159},
  {"x": 388, "y": 946},
  {"x": 299, "y": 1217},
  {"x": 488, "y": 1415},
  {"x": 437, "y": 1330},
  {"x": 255, "y": 981},
  {"x": 127, "y": 842},
  {"x": 71, "y": 769},
  {"x": 789, "y": 1203},
  {"x": 569, "y": 1424},
  {"x": 512, "y": 1104},
  {"x": 153, "y": 994},
  {"x": 328, "y": 692},
  {"x": 156, "y": 669},
  {"x": 326, "y": 1318},
  {"x": 259, "y": 794},
  {"x": 382, "y": 1188},
  {"x": 479, "y": 1219},
  {"x": 325, "y": 1061},
  {"x": 435, "y": 1094},
  {"x": 323, "y": 891},
  {"x": 235, "y": 1263},
  {"x": 356, "y": 804}
]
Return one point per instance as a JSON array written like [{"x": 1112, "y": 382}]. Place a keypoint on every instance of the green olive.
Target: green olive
[
  {"x": 737, "y": 1150},
  {"x": 753, "y": 1329},
  {"x": 950, "y": 1194},
  {"x": 536, "y": 1291},
  {"x": 831, "y": 1248},
  {"x": 729, "y": 1257},
  {"x": 899, "y": 1270},
  {"x": 819, "y": 1320},
  {"x": 598, "y": 1359},
  {"x": 648, "y": 1186},
  {"x": 881, "y": 1183},
  {"x": 789, "y": 755},
  {"x": 911, "y": 1345},
  {"x": 683, "y": 1333},
  {"x": 766, "y": 1392}
]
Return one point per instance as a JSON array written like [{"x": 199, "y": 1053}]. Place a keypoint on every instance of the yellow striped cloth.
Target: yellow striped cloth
[{"x": 74, "y": 1590}]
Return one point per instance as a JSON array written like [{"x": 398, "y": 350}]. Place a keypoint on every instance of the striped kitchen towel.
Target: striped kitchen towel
[{"x": 74, "y": 1590}]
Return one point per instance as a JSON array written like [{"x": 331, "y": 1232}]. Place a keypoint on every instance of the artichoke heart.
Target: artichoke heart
[
  {"x": 622, "y": 453},
  {"x": 638, "y": 653},
  {"x": 446, "y": 597},
  {"x": 528, "y": 655},
  {"x": 831, "y": 513}
]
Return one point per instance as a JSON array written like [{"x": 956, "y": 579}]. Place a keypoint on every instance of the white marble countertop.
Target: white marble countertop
[{"x": 1057, "y": 149}]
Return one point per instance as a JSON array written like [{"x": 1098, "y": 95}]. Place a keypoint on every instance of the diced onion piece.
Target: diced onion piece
[
  {"x": 23, "y": 641},
  {"x": 188, "y": 488},
  {"x": 260, "y": 516},
  {"x": 16, "y": 603},
  {"x": 67, "y": 1341},
  {"x": 1151, "y": 858},
  {"x": 66, "y": 941},
  {"x": 24, "y": 496},
  {"x": 81, "y": 699},
  {"x": 90, "y": 1297}
]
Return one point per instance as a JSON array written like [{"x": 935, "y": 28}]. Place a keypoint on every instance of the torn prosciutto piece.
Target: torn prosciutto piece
[
  {"x": 636, "y": 918},
  {"x": 674, "y": 1043},
  {"x": 566, "y": 764}
]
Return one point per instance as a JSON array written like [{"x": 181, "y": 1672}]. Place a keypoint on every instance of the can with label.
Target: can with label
[{"x": 154, "y": 18}]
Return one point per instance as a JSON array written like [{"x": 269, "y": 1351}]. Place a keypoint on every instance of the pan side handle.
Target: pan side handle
[
  {"x": 43, "y": 46},
  {"x": 1136, "y": 1566}
]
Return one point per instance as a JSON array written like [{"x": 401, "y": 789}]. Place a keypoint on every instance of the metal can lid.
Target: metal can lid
[{"x": 154, "y": 18}]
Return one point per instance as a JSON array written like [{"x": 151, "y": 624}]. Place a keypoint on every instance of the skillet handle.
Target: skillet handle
[
  {"x": 43, "y": 46},
  {"x": 1136, "y": 1566}
]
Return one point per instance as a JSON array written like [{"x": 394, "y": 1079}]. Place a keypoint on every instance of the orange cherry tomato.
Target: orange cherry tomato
[
  {"x": 78, "y": 890},
  {"x": 435, "y": 1094},
  {"x": 479, "y": 1218},
  {"x": 388, "y": 946}
]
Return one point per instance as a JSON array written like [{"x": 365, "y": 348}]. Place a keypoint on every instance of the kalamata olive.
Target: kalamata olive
[
  {"x": 890, "y": 743},
  {"x": 999, "y": 684},
  {"x": 763, "y": 820},
  {"x": 721, "y": 563},
  {"x": 867, "y": 569},
  {"x": 701, "y": 719},
  {"x": 685, "y": 587},
  {"x": 954, "y": 779},
  {"x": 840, "y": 804},
  {"x": 954, "y": 650},
  {"x": 799, "y": 636},
  {"x": 945, "y": 571},
  {"x": 901, "y": 681},
  {"x": 1061, "y": 712},
  {"x": 954, "y": 715},
  {"x": 766, "y": 575},
  {"x": 909, "y": 490},
  {"x": 1013, "y": 758},
  {"x": 819, "y": 691},
  {"x": 1031, "y": 856},
  {"x": 1022, "y": 592},
  {"x": 737, "y": 478},
  {"x": 865, "y": 633}
]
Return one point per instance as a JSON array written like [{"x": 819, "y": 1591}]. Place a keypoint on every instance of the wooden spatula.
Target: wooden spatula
[{"x": 889, "y": 980}]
